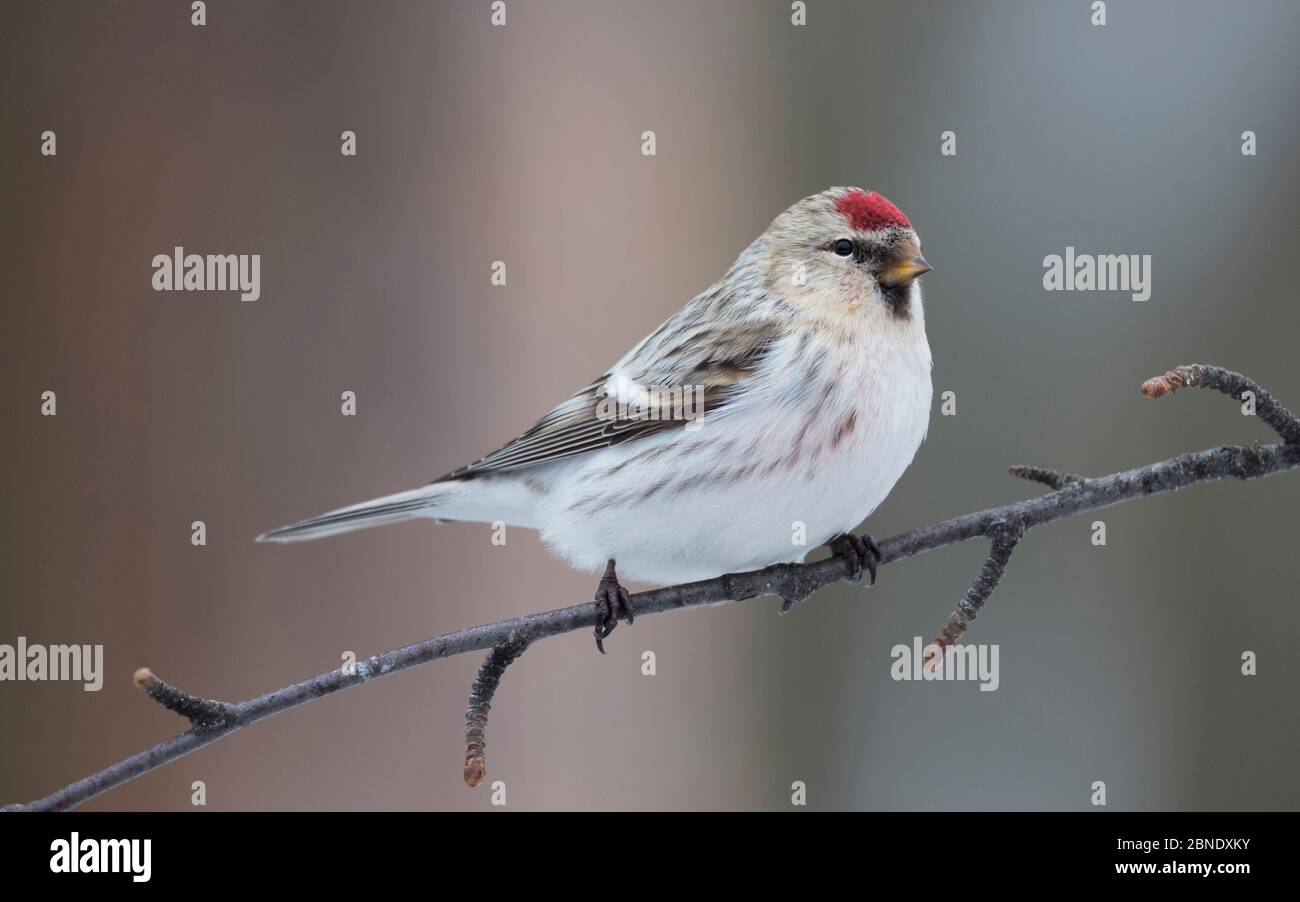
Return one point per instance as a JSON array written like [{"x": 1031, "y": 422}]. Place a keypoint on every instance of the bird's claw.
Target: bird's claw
[
  {"x": 861, "y": 550},
  {"x": 615, "y": 601}
]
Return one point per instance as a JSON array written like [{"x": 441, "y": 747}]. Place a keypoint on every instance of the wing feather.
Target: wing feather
[{"x": 682, "y": 353}]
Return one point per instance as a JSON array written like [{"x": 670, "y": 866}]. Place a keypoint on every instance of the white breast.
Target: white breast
[{"x": 808, "y": 454}]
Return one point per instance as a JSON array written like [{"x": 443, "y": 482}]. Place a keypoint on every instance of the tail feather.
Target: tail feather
[{"x": 419, "y": 502}]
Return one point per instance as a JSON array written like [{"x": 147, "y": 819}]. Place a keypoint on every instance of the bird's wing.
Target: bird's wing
[{"x": 685, "y": 353}]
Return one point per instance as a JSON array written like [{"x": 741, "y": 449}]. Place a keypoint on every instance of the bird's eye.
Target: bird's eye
[{"x": 844, "y": 247}]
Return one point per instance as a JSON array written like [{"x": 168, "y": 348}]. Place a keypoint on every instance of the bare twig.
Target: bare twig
[
  {"x": 1004, "y": 537},
  {"x": 788, "y": 581},
  {"x": 1051, "y": 478},
  {"x": 202, "y": 713},
  {"x": 480, "y": 702},
  {"x": 1200, "y": 375}
]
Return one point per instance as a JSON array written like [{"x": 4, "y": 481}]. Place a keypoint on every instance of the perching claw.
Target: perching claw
[
  {"x": 861, "y": 550},
  {"x": 616, "y": 602}
]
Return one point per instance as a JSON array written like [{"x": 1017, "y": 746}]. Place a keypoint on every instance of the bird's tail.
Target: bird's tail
[{"x": 421, "y": 502}]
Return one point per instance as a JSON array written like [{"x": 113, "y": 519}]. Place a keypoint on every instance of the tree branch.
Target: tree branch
[
  {"x": 211, "y": 720},
  {"x": 1050, "y": 478},
  {"x": 202, "y": 713},
  {"x": 1199, "y": 375},
  {"x": 480, "y": 701},
  {"x": 1004, "y": 536}
]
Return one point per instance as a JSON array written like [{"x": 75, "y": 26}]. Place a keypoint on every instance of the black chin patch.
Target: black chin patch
[{"x": 898, "y": 301}]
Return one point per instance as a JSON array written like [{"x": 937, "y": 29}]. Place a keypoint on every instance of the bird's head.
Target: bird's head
[{"x": 845, "y": 252}]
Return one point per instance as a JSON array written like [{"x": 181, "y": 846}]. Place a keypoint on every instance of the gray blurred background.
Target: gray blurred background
[{"x": 522, "y": 144}]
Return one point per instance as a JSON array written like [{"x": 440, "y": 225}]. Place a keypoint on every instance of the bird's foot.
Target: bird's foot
[
  {"x": 861, "y": 550},
  {"x": 615, "y": 601}
]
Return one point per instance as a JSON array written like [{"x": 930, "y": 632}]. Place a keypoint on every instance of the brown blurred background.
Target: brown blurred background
[{"x": 522, "y": 144}]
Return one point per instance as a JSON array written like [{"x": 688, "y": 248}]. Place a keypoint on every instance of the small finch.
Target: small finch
[{"x": 769, "y": 416}]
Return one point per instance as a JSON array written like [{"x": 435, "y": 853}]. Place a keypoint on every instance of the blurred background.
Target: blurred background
[{"x": 523, "y": 144}]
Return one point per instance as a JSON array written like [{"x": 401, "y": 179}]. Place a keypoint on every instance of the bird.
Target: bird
[{"x": 769, "y": 416}]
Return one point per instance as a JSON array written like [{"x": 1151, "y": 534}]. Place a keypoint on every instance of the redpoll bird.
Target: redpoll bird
[{"x": 772, "y": 414}]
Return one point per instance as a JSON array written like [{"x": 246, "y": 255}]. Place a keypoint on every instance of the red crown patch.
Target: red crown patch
[{"x": 868, "y": 211}]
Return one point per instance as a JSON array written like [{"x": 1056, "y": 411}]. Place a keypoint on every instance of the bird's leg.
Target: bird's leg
[
  {"x": 862, "y": 550},
  {"x": 616, "y": 603}
]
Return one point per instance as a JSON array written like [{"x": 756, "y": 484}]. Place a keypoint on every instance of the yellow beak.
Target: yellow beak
[{"x": 905, "y": 263}]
